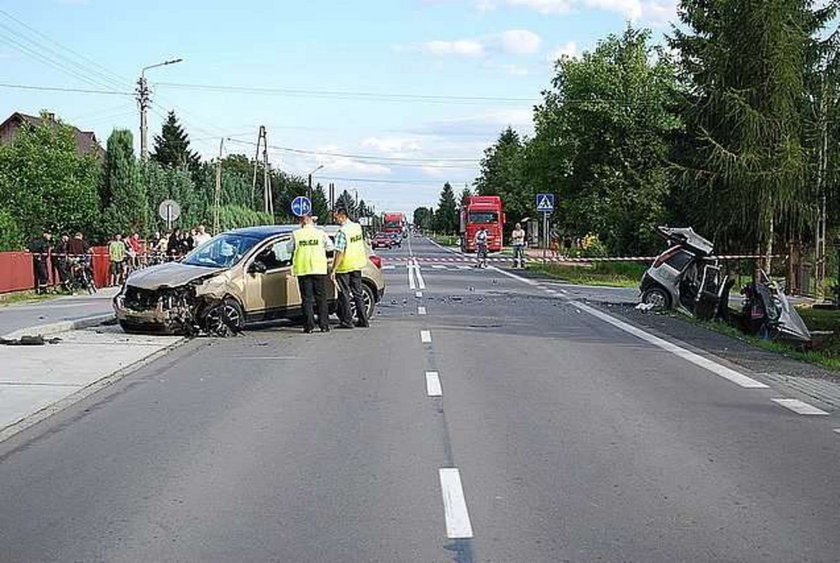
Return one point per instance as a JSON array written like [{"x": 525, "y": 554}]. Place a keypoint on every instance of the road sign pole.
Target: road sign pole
[{"x": 168, "y": 217}]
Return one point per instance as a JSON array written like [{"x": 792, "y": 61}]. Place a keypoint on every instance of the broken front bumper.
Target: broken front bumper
[{"x": 151, "y": 316}]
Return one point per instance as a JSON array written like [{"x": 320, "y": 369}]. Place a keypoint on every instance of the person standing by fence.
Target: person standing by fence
[
  {"x": 40, "y": 249},
  {"x": 116, "y": 253}
]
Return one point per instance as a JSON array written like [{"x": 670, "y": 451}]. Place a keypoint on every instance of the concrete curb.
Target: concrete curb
[{"x": 60, "y": 326}]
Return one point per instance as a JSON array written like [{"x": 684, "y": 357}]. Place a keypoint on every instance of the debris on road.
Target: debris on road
[{"x": 30, "y": 340}]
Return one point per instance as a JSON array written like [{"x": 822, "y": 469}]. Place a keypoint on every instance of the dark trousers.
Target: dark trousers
[
  {"x": 42, "y": 276},
  {"x": 313, "y": 292},
  {"x": 350, "y": 286}
]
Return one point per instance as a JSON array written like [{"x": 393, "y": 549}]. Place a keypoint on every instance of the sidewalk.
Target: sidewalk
[
  {"x": 38, "y": 381},
  {"x": 23, "y": 315}
]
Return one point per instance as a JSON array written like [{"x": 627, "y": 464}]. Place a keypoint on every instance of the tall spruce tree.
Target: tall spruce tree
[
  {"x": 446, "y": 216},
  {"x": 127, "y": 208},
  {"x": 744, "y": 167},
  {"x": 172, "y": 146}
]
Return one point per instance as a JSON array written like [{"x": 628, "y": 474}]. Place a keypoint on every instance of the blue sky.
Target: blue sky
[{"x": 499, "y": 49}]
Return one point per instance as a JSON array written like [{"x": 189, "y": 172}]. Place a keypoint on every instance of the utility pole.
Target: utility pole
[
  {"x": 144, "y": 101},
  {"x": 268, "y": 198},
  {"x": 260, "y": 137},
  {"x": 218, "y": 195},
  {"x": 309, "y": 189}
]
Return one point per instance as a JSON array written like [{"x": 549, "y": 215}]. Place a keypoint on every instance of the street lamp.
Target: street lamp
[
  {"x": 309, "y": 192},
  {"x": 143, "y": 100}
]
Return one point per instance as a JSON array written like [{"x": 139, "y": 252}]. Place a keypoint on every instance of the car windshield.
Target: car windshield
[
  {"x": 222, "y": 251},
  {"x": 483, "y": 217}
]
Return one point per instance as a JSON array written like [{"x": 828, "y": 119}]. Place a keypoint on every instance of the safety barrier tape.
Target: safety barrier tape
[{"x": 474, "y": 259}]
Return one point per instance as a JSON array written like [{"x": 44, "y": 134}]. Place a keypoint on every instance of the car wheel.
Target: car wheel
[
  {"x": 225, "y": 318},
  {"x": 658, "y": 298}
]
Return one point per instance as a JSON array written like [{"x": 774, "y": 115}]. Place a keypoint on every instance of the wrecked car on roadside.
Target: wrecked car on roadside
[
  {"x": 688, "y": 278},
  {"x": 235, "y": 278}
]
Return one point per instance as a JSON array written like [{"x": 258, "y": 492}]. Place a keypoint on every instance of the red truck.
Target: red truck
[
  {"x": 394, "y": 223},
  {"x": 482, "y": 211}
]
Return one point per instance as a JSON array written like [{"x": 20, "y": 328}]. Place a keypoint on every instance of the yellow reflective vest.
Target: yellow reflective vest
[
  {"x": 354, "y": 256},
  {"x": 310, "y": 256}
]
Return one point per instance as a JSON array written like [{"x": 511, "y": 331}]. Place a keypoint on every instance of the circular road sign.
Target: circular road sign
[
  {"x": 301, "y": 206},
  {"x": 169, "y": 210}
]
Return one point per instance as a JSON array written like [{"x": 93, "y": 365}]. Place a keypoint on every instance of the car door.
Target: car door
[{"x": 270, "y": 288}]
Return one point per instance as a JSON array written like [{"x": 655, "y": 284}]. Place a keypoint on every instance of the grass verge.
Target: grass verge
[
  {"x": 605, "y": 274},
  {"x": 826, "y": 350},
  {"x": 445, "y": 240},
  {"x": 25, "y": 297}
]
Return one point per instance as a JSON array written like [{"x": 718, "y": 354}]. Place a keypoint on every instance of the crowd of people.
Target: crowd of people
[{"x": 65, "y": 260}]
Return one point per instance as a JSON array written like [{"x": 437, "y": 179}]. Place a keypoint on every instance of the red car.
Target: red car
[{"x": 382, "y": 240}]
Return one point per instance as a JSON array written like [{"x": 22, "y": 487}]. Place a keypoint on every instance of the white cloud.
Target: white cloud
[
  {"x": 567, "y": 50},
  {"x": 520, "y": 41},
  {"x": 485, "y": 5},
  {"x": 344, "y": 164},
  {"x": 461, "y": 47},
  {"x": 655, "y": 12},
  {"x": 512, "y": 69},
  {"x": 545, "y": 6},
  {"x": 392, "y": 145}
]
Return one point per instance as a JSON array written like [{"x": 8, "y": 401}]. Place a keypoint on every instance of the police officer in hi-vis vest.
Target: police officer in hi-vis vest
[
  {"x": 350, "y": 258},
  {"x": 309, "y": 247}
]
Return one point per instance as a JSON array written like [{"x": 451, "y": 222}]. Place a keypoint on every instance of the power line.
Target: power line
[
  {"x": 381, "y": 181},
  {"x": 365, "y": 157},
  {"x": 339, "y": 94},
  {"x": 62, "y": 89}
]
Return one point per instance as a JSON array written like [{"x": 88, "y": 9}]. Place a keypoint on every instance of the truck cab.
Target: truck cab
[{"x": 479, "y": 212}]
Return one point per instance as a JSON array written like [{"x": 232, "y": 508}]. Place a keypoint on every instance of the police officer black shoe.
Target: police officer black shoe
[
  {"x": 308, "y": 330},
  {"x": 325, "y": 329},
  {"x": 362, "y": 324},
  {"x": 346, "y": 325}
]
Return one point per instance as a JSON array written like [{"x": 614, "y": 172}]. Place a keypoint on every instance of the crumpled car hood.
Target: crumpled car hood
[{"x": 171, "y": 274}]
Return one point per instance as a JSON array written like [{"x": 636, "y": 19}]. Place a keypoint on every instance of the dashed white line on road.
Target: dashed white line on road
[
  {"x": 389, "y": 267},
  {"x": 433, "y": 388},
  {"x": 438, "y": 267},
  {"x": 418, "y": 294},
  {"x": 421, "y": 310},
  {"x": 837, "y": 430},
  {"x": 465, "y": 267},
  {"x": 696, "y": 359},
  {"x": 563, "y": 291},
  {"x": 799, "y": 407},
  {"x": 458, "y": 524},
  {"x": 425, "y": 336},
  {"x": 551, "y": 291},
  {"x": 421, "y": 284}
]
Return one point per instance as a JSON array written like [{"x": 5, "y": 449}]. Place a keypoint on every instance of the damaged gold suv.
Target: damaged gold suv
[{"x": 235, "y": 278}]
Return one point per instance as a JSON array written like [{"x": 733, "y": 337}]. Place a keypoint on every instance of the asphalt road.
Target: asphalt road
[
  {"x": 22, "y": 315},
  {"x": 571, "y": 440}
]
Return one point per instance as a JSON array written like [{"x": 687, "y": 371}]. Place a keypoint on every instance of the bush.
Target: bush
[{"x": 11, "y": 236}]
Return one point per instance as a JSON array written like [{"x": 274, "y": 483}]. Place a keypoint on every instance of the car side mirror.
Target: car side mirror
[{"x": 257, "y": 268}]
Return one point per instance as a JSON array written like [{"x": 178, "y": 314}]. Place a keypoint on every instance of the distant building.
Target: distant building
[{"x": 86, "y": 142}]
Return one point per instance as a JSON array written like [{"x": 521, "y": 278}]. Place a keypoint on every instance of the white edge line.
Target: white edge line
[
  {"x": 421, "y": 283},
  {"x": 455, "y": 512},
  {"x": 800, "y": 407},
  {"x": 696, "y": 359},
  {"x": 425, "y": 336},
  {"x": 433, "y": 388}
]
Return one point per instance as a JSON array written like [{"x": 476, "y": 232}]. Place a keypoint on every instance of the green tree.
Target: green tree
[
  {"x": 163, "y": 184},
  {"x": 424, "y": 217},
  {"x": 465, "y": 195},
  {"x": 602, "y": 139},
  {"x": 11, "y": 236},
  {"x": 172, "y": 146},
  {"x": 320, "y": 205},
  {"x": 746, "y": 61},
  {"x": 127, "y": 207},
  {"x": 446, "y": 216},
  {"x": 502, "y": 174},
  {"x": 346, "y": 201},
  {"x": 44, "y": 183}
]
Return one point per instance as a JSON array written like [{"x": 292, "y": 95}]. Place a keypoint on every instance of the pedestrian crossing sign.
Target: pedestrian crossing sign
[{"x": 545, "y": 203}]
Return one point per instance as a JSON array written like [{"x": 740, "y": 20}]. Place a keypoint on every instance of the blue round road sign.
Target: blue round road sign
[{"x": 301, "y": 206}]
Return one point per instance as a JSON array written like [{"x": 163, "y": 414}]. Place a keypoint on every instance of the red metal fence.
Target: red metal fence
[{"x": 17, "y": 272}]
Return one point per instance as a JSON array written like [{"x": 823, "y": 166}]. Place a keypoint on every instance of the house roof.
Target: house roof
[{"x": 86, "y": 141}]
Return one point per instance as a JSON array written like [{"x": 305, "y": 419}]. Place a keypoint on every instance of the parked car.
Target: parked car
[
  {"x": 382, "y": 240},
  {"x": 235, "y": 278}
]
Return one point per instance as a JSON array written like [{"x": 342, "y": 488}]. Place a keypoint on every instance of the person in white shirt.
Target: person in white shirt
[
  {"x": 200, "y": 237},
  {"x": 518, "y": 242}
]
